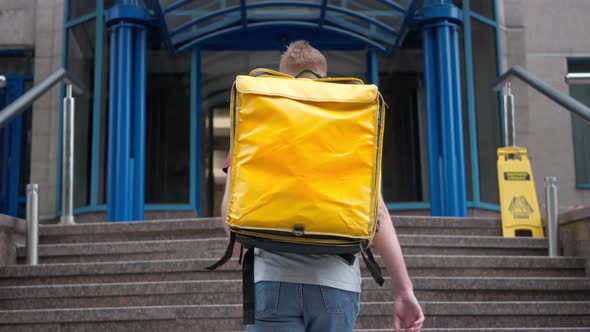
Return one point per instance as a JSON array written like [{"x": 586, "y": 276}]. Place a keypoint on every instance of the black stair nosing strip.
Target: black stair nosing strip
[
  {"x": 454, "y": 236},
  {"x": 492, "y": 283},
  {"x": 135, "y": 222},
  {"x": 470, "y": 222},
  {"x": 492, "y": 308},
  {"x": 473, "y": 242},
  {"x": 117, "y": 289},
  {"x": 147, "y": 226},
  {"x": 497, "y": 309},
  {"x": 500, "y": 329},
  {"x": 467, "y": 329},
  {"x": 119, "y": 244},
  {"x": 400, "y": 236},
  {"x": 113, "y": 314},
  {"x": 468, "y": 218},
  {"x": 180, "y": 265},
  {"x": 204, "y": 286},
  {"x": 59, "y": 251},
  {"x": 89, "y": 268},
  {"x": 156, "y": 224}
]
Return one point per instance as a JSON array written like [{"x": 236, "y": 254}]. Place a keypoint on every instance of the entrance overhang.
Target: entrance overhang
[{"x": 258, "y": 24}]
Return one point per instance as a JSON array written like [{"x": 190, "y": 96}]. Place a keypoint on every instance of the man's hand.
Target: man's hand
[{"x": 407, "y": 309}]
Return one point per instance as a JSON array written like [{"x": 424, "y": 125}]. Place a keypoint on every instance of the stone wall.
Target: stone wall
[
  {"x": 48, "y": 25},
  {"x": 540, "y": 36}
]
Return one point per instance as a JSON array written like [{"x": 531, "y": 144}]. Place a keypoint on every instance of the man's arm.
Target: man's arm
[{"x": 406, "y": 306}]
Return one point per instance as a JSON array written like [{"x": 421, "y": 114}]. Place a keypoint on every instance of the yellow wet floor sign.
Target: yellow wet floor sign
[{"x": 518, "y": 198}]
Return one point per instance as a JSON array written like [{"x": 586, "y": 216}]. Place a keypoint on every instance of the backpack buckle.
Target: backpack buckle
[{"x": 298, "y": 230}]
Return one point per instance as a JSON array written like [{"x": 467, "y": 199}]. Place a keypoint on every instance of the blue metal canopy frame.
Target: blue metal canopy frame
[
  {"x": 186, "y": 24},
  {"x": 379, "y": 25}
]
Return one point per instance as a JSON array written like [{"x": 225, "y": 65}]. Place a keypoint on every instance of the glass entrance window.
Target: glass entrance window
[
  {"x": 487, "y": 108},
  {"x": 77, "y": 8},
  {"x": 405, "y": 150},
  {"x": 483, "y": 7},
  {"x": 168, "y": 128},
  {"x": 581, "y": 128},
  {"x": 80, "y": 58},
  {"x": 405, "y": 160}
]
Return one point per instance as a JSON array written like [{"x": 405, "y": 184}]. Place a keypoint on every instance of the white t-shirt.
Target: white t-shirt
[{"x": 325, "y": 270}]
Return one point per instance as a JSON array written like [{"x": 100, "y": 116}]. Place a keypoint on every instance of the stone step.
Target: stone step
[
  {"x": 212, "y": 227},
  {"x": 215, "y": 247},
  {"x": 497, "y": 329},
  {"x": 229, "y": 292},
  {"x": 194, "y": 269},
  {"x": 452, "y": 315},
  {"x": 131, "y": 231},
  {"x": 374, "y": 315}
]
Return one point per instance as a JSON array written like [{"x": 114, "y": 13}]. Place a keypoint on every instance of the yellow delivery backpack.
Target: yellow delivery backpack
[{"x": 305, "y": 168}]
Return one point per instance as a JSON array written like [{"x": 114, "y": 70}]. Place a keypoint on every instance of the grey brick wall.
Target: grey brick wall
[
  {"x": 540, "y": 36},
  {"x": 15, "y": 23},
  {"x": 48, "y": 25}
]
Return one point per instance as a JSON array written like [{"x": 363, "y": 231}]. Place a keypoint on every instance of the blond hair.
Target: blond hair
[{"x": 300, "y": 56}]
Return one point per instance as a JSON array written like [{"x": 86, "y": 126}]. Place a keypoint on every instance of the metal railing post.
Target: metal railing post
[
  {"x": 67, "y": 179},
  {"x": 32, "y": 224},
  {"x": 509, "y": 117},
  {"x": 552, "y": 215}
]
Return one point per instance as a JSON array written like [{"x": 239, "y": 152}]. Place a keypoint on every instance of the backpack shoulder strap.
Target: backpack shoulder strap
[
  {"x": 372, "y": 265},
  {"x": 228, "y": 253},
  {"x": 341, "y": 80},
  {"x": 248, "y": 288},
  {"x": 268, "y": 72}
]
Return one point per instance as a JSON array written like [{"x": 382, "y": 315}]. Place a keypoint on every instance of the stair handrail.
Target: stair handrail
[
  {"x": 568, "y": 102},
  {"x": 23, "y": 102}
]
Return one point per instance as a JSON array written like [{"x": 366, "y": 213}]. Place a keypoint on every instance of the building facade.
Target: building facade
[{"x": 186, "y": 97}]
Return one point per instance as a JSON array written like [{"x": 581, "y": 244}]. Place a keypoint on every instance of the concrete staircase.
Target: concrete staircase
[{"x": 149, "y": 276}]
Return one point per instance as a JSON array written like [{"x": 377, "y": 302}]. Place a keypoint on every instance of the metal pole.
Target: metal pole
[
  {"x": 67, "y": 182},
  {"x": 509, "y": 117},
  {"x": 32, "y": 224},
  {"x": 552, "y": 217}
]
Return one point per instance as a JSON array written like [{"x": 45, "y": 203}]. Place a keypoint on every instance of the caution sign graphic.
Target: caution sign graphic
[
  {"x": 520, "y": 208},
  {"x": 518, "y": 198}
]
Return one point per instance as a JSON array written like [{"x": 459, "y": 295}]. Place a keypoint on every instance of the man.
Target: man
[{"x": 321, "y": 293}]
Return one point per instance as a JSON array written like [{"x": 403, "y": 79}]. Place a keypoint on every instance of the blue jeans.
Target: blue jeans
[{"x": 289, "y": 307}]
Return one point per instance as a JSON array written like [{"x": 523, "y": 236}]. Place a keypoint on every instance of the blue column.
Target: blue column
[
  {"x": 127, "y": 22},
  {"x": 372, "y": 67},
  {"x": 440, "y": 25}
]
